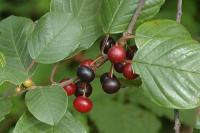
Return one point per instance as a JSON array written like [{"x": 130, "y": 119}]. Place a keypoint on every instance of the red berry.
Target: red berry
[
  {"x": 87, "y": 63},
  {"x": 128, "y": 72},
  {"x": 83, "y": 104},
  {"x": 69, "y": 89},
  {"x": 116, "y": 54}
]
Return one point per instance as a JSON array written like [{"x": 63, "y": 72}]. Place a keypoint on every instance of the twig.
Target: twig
[
  {"x": 53, "y": 72},
  {"x": 135, "y": 17},
  {"x": 179, "y": 11},
  {"x": 177, "y": 123},
  {"x": 30, "y": 66},
  {"x": 69, "y": 81}
]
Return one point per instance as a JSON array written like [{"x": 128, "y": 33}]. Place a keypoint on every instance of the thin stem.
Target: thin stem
[
  {"x": 179, "y": 11},
  {"x": 111, "y": 70},
  {"x": 30, "y": 66},
  {"x": 65, "y": 83},
  {"x": 177, "y": 123},
  {"x": 135, "y": 17},
  {"x": 53, "y": 72}
]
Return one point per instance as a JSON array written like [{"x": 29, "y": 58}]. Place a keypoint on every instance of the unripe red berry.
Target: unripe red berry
[
  {"x": 128, "y": 72},
  {"x": 83, "y": 104},
  {"x": 87, "y": 63},
  {"x": 69, "y": 89},
  {"x": 116, "y": 54}
]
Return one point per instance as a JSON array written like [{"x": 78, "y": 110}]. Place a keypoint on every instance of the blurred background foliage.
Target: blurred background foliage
[{"x": 129, "y": 111}]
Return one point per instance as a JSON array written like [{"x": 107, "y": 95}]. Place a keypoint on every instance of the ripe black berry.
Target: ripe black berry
[
  {"x": 105, "y": 76},
  {"x": 130, "y": 52},
  {"x": 119, "y": 67},
  {"x": 83, "y": 88},
  {"x": 108, "y": 44},
  {"x": 111, "y": 85},
  {"x": 85, "y": 74}
]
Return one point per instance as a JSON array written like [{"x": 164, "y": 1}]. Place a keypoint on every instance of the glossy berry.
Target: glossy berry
[
  {"x": 116, "y": 54},
  {"x": 119, "y": 67},
  {"x": 87, "y": 63},
  {"x": 111, "y": 85},
  {"x": 128, "y": 72},
  {"x": 85, "y": 74},
  {"x": 130, "y": 52},
  {"x": 82, "y": 104},
  {"x": 83, "y": 88},
  {"x": 28, "y": 83},
  {"x": 69, "y": 89},
  {"x": 105, "y": 76},
  {"x": 108, "y": 44}
]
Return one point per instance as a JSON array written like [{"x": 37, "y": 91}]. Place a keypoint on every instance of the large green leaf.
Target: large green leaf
[
  {"x": 86, "y": 11},
  {"x": 168, "y": 64},
  {"x": 5, "y": 107},
  {"x": 55, "y": 37},
  {"x": 28, "y": 124},
  {"x": 2, "y": 60},
  {"x": 117, "y": 14},
  {"x": 47, "y": 104},
  {"x": 14, "y": 33},
  {"x": 113, "y": 117}
]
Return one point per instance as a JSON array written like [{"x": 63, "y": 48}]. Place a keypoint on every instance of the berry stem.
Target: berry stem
[
  {"x": 30, "y": 66},
  {"x": 111, "y": 70},
  {"x": 53, "y": 72},
  {"x": 65, "y": 83}
]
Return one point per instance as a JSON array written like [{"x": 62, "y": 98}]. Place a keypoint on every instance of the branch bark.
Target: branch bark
[
  {"x": 135, "y": 17},
  {"x": 177, "y": 123}
]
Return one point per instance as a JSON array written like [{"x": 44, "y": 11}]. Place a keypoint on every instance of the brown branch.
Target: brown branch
[
  {"x": 53, "y": 72},
  {"x": 134, "y": 18},
  {"x": 179, "y": 11},
  {"x": 177, "y": 124},
  {"x": 30, "y": 66}
]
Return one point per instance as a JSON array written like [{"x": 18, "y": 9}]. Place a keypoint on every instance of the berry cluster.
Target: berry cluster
[{"x": 120, "y": 59}]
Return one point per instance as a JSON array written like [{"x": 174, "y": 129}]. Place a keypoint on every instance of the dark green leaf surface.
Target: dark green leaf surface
[
  {"x": 168, "y": 63},
  {"x": 113, "y": 117},
  {"x": 55, "y": 37},
  {"x": 116, "y": 14},
  {"x": 86, "y": 11},
  {"x": 14, "y": 33},
  {"x": 28, "y": 124},
  {"x": 5, "y": 107},
  {"x": 47, "y": 104}
]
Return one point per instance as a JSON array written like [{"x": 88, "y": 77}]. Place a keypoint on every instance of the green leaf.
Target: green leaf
[
  {"x": 55, "y": 37},
  {"x": 28, "y": 124},
  {"x": 168, "y": 64},
  {"x": 86, "y": 11},
  {"x": 5, "y": 107},
  {"x": 118, "y": 118},
  {"x": 2, "y": 60},
  {"x": 14, "y": 33},
  {"x": 117, "y": 14},
  {"x": 47, "y": 104}
]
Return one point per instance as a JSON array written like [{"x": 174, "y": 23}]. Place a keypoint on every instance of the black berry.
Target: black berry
[
  {"x": 119, "y": 67},
  {"x": 85, "y": 74},
  {"x": 105, "y": 76},
  {"x": 111, "y": 85},
  {"x": 130, "y": 52},
  {"x": 83, "y": 88},
  {"x": 108, "y": 44}
]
